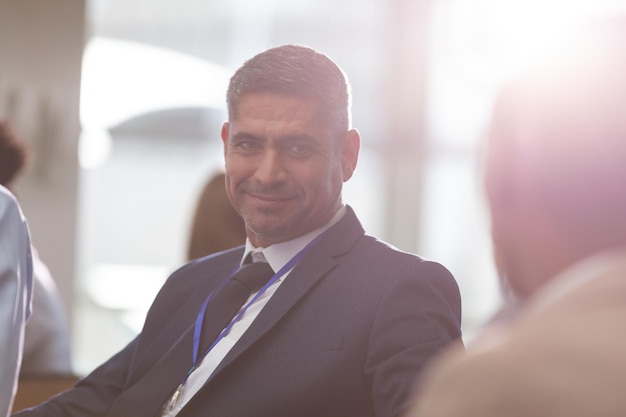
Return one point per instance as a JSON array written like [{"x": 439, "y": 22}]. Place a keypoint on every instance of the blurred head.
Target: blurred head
[
  {"x": 556, "y": 160},
  {"x": 288, "y": 145},
  {"x": 216, "y": 226},
  {"x": 13, "y": 155}
]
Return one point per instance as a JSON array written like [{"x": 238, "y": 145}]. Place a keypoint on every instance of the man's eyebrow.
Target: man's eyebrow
[
  {"x": 299, "y": 137},
  {"x": 295, "y": 137},
  {"x": 245, "y": 136}
]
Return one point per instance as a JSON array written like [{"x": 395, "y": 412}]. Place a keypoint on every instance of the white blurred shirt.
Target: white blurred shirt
[
  {"x": 47, "y": 340},
  {"x": 15, "y": 294}
]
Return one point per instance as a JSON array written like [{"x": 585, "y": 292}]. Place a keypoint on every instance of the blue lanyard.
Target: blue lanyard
[{"x": 200, "y": 317}]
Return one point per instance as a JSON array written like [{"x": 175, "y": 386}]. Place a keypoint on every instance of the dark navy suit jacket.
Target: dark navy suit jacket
[{"x": 345, "y": 335}]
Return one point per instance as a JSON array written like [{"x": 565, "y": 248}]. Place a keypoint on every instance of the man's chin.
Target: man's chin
[
  {"x": 268, "y": 215},
  {"x": 268, "y": 231}
]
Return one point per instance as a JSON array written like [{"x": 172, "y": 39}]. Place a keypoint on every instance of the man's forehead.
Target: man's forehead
[
  {"x": 278, "y": 110},
  {"x": 264, "y": 101}
]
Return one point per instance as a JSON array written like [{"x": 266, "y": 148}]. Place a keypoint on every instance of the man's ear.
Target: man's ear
[
  {"x": 350, "y": 145},
  {"x": 224, "y": 135}
]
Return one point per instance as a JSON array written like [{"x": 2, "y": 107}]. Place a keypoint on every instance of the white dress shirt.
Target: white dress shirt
[
  {"x": 15, "y": 294},
  {"x": 277, "y": 255}
]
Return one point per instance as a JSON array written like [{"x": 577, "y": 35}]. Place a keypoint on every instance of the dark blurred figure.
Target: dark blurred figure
[
  {"x": 47, "y": 336},
  {"x": 216, "y": 225},
  {"x": 556, "y": 186}
]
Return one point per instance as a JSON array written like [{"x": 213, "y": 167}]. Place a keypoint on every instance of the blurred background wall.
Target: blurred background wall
[{"x": 122, "y": 101}]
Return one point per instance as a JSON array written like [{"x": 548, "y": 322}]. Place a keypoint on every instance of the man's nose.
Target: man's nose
[{"x": 270, "y": 169}]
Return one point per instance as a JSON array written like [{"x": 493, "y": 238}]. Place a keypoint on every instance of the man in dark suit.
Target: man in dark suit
[{"x": 345, "y": 324}]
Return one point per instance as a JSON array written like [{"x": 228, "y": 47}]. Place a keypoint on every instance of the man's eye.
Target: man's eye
[
  {"x": 300, "y": 150},
  {"x": 247, "y": 145}
]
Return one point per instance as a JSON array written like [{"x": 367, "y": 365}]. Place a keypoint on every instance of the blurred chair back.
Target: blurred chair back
[{"x": 35, "y": 389}]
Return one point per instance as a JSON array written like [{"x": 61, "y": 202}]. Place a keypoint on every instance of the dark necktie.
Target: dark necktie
[{"x": 229, "y": 299}]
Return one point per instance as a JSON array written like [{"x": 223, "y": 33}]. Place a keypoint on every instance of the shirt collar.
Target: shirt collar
[{"x": 278, "y": 254}]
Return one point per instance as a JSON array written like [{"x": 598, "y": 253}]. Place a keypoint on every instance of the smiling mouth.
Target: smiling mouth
[{"x": 270, "y": 198}]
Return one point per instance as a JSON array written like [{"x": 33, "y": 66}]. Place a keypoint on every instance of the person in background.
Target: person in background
[
  {"x": 216, "y": 225},
  {"x": 15, "y": 294},
  {"x": 556, "y": 186},
  {"x": 47, "y": 337},
  {"x": 341, "y": 324}
]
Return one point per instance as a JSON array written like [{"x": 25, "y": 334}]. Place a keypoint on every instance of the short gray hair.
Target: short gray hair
[{"x": 296, "y": 71}]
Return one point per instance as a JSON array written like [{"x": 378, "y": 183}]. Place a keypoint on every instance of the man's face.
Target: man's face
[{"x": 284, "y": 169}]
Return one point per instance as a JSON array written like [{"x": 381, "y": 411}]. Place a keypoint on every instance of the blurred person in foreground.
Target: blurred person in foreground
[
  {"x": 344, "y": 322},
  {"x": 556, "y": 184},
  {"x": 47, "y": 336},
  {"x": 15, "y": 294}
]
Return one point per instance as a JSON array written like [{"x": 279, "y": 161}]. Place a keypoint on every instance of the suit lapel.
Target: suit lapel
[
  {"x": 145, "y": 397},
  {"x": 186, "y": 314},
  {"x": 322, "y": 258}
]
